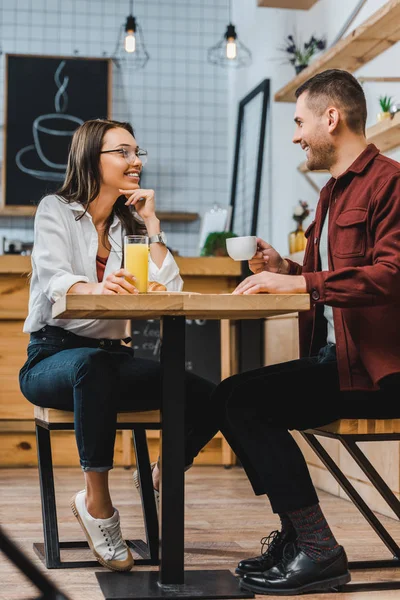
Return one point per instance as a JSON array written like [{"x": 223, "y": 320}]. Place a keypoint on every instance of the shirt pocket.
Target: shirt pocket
[
  {"x": 309, "y": 235},
  {"x": 350, "y": 233}
]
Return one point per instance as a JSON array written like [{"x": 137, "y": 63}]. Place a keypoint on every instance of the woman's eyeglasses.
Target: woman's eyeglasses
[{"x": 130, "y": 155}]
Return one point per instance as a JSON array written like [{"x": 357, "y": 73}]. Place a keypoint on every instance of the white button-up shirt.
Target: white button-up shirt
[{"x": 64, "y": 252}]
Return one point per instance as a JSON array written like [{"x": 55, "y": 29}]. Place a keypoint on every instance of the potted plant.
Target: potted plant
[
  {"x": 215, "y": 244},
  {"x": 386, "y": 103},
  {"x": 297, "y": 241},
  {"x": 299, "y": 55}
]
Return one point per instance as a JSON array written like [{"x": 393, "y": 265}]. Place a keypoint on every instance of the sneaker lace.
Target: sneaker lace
[
  {"x": 269, "y": 542},
  {"x": 113, "y": 536}
]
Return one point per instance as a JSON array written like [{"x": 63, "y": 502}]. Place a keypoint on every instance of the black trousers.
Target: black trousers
[{"x": 261, "y": 406}]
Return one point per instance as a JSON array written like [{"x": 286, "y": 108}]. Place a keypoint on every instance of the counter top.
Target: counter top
[
  {"x": 15, "y": 263},
  {"x": 190, "y": 265}
]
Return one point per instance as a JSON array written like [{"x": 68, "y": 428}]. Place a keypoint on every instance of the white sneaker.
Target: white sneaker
[
  {"x": 136, "y": 481},
  {"x": 103, "y": 535}
]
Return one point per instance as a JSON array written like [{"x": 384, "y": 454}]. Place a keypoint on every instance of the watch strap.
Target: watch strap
[{"x": 158, "y": 237}]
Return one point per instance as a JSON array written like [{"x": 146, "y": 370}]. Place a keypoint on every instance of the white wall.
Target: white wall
[
  {"x": 263, "y": 31},
  {"x": 177, "y": 104}
]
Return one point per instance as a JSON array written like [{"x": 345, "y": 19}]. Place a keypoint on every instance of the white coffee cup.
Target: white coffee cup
[{"x": 242, "y": 248}]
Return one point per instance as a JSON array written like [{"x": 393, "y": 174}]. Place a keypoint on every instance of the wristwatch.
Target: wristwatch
[{"x": 158, "y": 237}]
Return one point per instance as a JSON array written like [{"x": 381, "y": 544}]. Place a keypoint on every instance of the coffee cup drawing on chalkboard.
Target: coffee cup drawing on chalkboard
[{"x": 52, "y": 135}]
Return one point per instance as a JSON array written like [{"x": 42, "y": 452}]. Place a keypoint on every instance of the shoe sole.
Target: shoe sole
[
  {"x": 316, "y": 586},
  {"x": 89, "y": 541},
  {"x": 241, "y": 572}
]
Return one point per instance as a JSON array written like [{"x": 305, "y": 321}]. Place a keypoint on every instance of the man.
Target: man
[{"x": 349, "y": 339}]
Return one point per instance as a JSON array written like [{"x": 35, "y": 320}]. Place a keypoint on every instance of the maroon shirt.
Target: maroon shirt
[{"x": 363, "y": 283}]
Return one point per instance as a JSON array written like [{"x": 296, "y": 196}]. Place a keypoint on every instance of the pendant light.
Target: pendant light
[
  {"x": 229, "y": 52},
  {"x": 130, "y": 51}
]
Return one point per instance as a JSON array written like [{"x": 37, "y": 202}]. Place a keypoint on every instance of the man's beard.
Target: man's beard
[{"x": 322, "y": 156}]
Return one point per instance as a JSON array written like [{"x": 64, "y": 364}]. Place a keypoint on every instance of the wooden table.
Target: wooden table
[
  {"x": 203, "y": 274},
  {"x": 173, "y": 309}
]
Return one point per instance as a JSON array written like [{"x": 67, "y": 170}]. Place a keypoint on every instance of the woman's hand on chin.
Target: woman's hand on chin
[{"x": 143, "y": 201}]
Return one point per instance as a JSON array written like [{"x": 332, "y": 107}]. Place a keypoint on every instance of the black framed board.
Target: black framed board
[
  {"x": 248, "y": 159},
  {"x": 46, "y": 99},
  {"x": 203, "y": 345}
]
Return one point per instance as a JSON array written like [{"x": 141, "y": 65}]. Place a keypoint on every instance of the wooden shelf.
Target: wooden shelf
[
  {"x": 29, "y": 211},
  {"x": 178, "y": 216},
  {"x": 296, "y": 4},
  {"x": 371, "y": 38},
  {"x": 385, "y": 135}
]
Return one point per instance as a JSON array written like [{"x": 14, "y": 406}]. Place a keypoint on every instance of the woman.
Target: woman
[{"x": 80, "y": 365}]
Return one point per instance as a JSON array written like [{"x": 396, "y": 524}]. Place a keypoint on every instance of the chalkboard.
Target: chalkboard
[
  {"x": 47, "y": 98},
  {"x": 203, "y": 345}
]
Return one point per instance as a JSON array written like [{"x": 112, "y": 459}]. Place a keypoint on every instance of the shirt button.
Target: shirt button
[{"x": 315, "y": 295}]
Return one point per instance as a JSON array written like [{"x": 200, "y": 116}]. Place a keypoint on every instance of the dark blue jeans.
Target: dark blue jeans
[{"x": 98, "y": 378}]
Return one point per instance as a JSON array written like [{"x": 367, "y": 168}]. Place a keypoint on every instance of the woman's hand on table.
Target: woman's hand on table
[
  {"x": 267, "y": 259},
  {"x": 272, "y": 283},
  {"x": 114, "y": 283}
]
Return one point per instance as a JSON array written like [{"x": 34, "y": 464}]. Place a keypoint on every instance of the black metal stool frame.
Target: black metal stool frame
[
  {"x": 349, "y": 442},
  {"x": 49, "y": 551}
]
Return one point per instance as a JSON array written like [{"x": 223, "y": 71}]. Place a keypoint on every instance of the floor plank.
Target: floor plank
[{"x": 224, "y": 523}]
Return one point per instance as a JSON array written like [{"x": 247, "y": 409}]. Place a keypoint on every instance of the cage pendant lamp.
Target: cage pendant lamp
[
  {"x": 130, "y": 51},
  {"x": 229, "y": 52}
]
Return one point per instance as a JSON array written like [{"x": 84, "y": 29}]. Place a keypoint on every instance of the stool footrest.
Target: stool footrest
[
  {"x": 138, "y": 546},
  {"x": 390, "y": 563}
]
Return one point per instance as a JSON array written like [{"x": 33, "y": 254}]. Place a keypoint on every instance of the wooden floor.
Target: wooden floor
[{"x": 224, "y": 523}]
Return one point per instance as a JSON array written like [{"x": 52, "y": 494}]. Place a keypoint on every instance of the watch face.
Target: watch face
[{"x": 163, "y": 237}]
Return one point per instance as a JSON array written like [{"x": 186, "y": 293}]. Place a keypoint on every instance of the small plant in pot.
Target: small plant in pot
[
  {"x": 386, "y": 104},
  {"x": 299, "y": 55},
  {"x": 297, "y": 240},
  {"x": 215, "y": 244}
]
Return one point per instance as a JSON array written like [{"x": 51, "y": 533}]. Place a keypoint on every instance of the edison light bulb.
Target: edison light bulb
[
  {"x": 231, "y": 51},
  {"x": 130, "y": 42}
]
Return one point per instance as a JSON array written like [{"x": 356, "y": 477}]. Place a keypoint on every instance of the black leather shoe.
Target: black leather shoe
[
  {"x": 298, "y": 574},
  {"x": 271, "y": 553}
]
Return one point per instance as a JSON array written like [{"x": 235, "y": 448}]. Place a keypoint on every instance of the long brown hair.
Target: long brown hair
[{"x": 83, "y": 176}]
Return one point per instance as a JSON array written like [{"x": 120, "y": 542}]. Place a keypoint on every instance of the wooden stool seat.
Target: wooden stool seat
[
  {"x": 49, "y": 419},
  {"x": 362, "y": 426},
  {"x": 349, "y": 432},
  {"x": 53, "y": 415}
]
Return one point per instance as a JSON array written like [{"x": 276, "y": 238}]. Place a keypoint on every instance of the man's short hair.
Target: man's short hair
[{"x": 341, "y": 88}]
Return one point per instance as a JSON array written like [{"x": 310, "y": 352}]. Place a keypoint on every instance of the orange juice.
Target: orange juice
[{"x": 137, "y": 263}]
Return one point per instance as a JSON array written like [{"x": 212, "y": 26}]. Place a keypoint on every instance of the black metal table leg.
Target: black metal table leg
[
  {"x": 172, "y": 450},
  {"x": 172, "y": 581}
]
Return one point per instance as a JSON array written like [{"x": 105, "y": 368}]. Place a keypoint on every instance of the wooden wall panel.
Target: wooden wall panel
[{"x": 13, "y": 344}]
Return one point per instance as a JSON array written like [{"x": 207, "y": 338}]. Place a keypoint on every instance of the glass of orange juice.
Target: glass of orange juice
[{"x": 136, "y": 259}]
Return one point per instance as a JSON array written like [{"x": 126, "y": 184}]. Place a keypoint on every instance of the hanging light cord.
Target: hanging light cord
[
  {"x": 230, "y": 11},
  {"x": 131, "y": 5}
]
